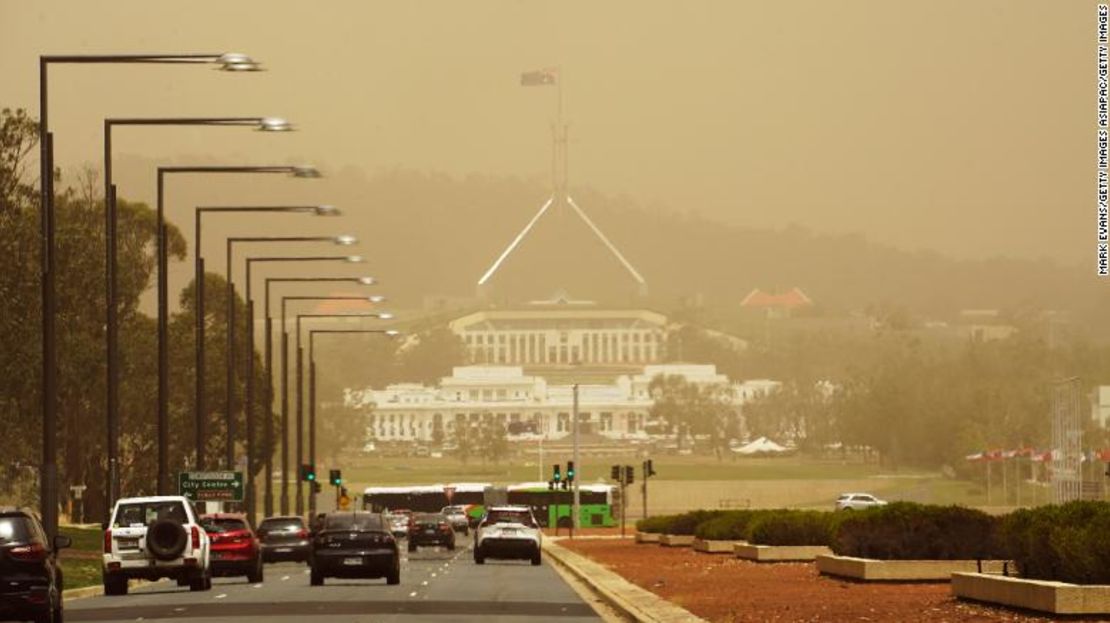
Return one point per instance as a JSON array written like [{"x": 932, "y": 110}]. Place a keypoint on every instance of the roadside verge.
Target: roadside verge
[{"x": 628, "y": 599}]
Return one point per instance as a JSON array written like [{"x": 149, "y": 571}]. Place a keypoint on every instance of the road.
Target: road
[{"x": 436, "y": 585}]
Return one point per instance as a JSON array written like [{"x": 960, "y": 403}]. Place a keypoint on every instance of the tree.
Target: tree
[
  {"x": 430, "y": 355},
  {"x": 466, "y": 438},
  {"x": 493, "y": 439}
]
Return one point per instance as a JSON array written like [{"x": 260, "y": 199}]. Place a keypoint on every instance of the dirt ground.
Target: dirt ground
[{"x": 724, "y": 589}]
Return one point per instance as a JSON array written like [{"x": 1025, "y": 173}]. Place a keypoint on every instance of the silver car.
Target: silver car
[
  {"x": 457, "y": 517},
  {"x": 857, "y": 501}
]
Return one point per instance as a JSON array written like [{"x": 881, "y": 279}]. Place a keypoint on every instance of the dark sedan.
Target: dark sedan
[
  {"x": 355, "y": 545},
  {"x": 284, "y": 538},
  {"x": 30, "y": 575},
  {"x": 430, "y": 529}
]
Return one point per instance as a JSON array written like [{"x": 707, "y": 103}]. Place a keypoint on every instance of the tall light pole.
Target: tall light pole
[
  {"x": 48, "y": 482},
  {"x": 249, "y": 402},
  {"x": 163, "y": 294},
  {"x": 266, "y": 124},
  {"x": 577, "y": 465},
  {"x": 200, "y": 415},
  {"x": 284, "y": 404},
  {"x": 285, "y": 372},
  {"x": 312, "y": 384},
  {"x": 269, "y": 430}
]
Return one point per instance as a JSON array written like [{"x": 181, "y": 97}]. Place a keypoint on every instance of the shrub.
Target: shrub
[
  {"x": 654, "y": 525},
  {"x": 731, "y": 526},
  {"x": 790, "y": 527},
  {"x": 908, "y": 531},
  {"x": 1067, "y": 543},
  {"x": 686, "y": 523}
]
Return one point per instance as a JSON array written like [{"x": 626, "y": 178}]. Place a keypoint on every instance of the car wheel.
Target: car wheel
[
  {"x": 255, "y": 576},
  {"x": 182, "y": 581},
  {"x": 394, "y": 576},
  {"x": 479, "y": 556},
  {"x": 316, "y": 578},
  {"x": 115, "y": 585},
  {"x": 201, "y": 582},
  {"x": 412, "y": 546},
  {"x": 537, "y": 557},
  {"x": 451, "y": 546}
]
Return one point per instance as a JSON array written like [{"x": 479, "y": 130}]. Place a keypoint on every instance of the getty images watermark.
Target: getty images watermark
[{"x": 1103, "y": 227}]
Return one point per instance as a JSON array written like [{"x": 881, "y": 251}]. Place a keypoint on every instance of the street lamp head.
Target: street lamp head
[
  {"x": 274, "y": 124},
  {"x": 345, "y": 240},
  {"x": 234, "y": 61},
  {"x": 377, "y": 298},
  {"x": 392, "y": 332},
  {"x": 367, "y": 281},
  {"x": 354, "y": 259},
  {"x": 385, "y": 316},
  {"x": 326, "y": 210},
  {"x": 306, "y": 170}
]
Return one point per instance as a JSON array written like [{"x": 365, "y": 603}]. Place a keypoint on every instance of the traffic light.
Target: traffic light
[
  {"x": 308, "y": 472},
  {"x": 629, "y": 474},
  {"x": 343, "y": 491},
  {"x": 336, "y": 477},
  {"x": 556, "y": 473},
  {"x": 317, "y": 487},
  {"x": 570, "y": 471},
  {"x": 648, "y": 469},
  {"x": 550, "y": 485},
  {"x": 615, "y": 473}
]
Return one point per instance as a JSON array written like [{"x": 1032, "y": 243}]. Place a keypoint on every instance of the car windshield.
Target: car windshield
[
  {"x": 507, "y": 516},
  {"x": 429, "y": 518},
  {"x": 291, "y": 524},
  {"x": 14, "y": 529},
  {"x": 146, "y": 513},
  {"x": 353, "y": 521},
  {"x": 220, "y": 525},
  {"x": 453, "y": 510}
]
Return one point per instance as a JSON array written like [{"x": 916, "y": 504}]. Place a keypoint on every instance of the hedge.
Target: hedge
[
  {"x": 730, "y": 526},
  {"x": 1066, "y": 543},
  {"x": 654, "y": 525},
  {"x": 909, "y": 531},
  {"x": 789, "y": 527}
]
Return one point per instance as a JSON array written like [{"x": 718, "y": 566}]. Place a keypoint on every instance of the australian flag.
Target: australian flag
[{"x": 539, "y": 77}]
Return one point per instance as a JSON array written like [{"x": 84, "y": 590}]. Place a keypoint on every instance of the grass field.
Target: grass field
[{"x": 81, "y": 563}]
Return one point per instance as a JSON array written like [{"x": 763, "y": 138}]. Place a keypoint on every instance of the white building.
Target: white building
[{"x": 616, "y": 410}]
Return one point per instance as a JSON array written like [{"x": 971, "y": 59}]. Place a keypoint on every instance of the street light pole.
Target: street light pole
[
  {"x": 312, "y": 386},
  {"x": 48, "y": 483},
  {"x": 163, "y": 484},
  {"x": 268, "y": 441},
  {"x": 312, "y": 383},
  {"x": 285, "y": 397},
  {"x": 200, "y": 409},
  {"x": 577, "y": 465},
  {"x": 266, "y": 124}
]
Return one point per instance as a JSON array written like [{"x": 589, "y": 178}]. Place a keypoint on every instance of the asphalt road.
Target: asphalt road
[{"x": 436, "y": 585}]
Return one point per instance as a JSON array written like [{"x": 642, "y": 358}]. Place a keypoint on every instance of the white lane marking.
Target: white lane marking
[
  {"x": 424, "y": 583},
  {"x": 412, "y": 594},
  {"x": 284, "y": 578},
  {"x": 220, "y": 596},
  {"x": 433, "y": 575},
  {"x": 307, "y": 571},
  {"x": 175, "y": 610},
  {"x": 256, "y": 586}
]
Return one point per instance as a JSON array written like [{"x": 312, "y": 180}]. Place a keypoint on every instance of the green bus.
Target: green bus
[{"x": 553, "y": 507}]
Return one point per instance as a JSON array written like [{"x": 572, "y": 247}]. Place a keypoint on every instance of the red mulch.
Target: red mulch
[{"x": 724, "y": 589}]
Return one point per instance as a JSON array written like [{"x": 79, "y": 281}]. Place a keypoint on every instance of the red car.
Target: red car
[{"x": 235, "y": 549}]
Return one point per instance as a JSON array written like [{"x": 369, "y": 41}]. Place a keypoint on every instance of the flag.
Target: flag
[{"x": 539, "y": 77}]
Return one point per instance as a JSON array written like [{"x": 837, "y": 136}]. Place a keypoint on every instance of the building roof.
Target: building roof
[{"x": 788, "y": 300}]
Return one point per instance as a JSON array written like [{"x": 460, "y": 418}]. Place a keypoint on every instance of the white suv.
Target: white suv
[
  {"x": 152, "y": 538},
  {"x": 508, "y": 532},
  {"x": 857, "y": 501}
]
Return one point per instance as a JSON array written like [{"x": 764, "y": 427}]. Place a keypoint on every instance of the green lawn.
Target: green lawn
[
  {"x": 363, "y": 471},
  {"x": 81, "y": 563}
]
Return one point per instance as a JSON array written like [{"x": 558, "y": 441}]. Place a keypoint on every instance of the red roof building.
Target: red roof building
[{"x": 776, "y": 305}]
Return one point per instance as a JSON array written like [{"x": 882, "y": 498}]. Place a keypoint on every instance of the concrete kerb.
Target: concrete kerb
[{"x": 630, "y": 600}]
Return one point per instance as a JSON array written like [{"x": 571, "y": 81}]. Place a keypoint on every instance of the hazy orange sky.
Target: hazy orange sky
[{"x": 965, "y": 127}]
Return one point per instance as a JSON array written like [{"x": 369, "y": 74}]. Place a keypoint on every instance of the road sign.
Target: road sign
[
  {"x": 344, "y": 502},
  {"x": 211, "y": 486},
  {"x": 449, "y": 492}
]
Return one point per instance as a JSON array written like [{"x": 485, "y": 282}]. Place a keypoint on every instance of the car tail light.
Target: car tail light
[
  {"x": 196, "y": 537},
  {"x": 28, "y": 553},
  {"x": 107, "y": 541},
  {"x": 302, "y": 534}
]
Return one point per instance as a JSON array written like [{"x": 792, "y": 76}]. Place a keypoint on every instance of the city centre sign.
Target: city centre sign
[{"x": 211, "y": 486}]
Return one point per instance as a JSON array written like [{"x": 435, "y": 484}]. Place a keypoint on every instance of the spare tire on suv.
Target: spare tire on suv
[{"x": 166, "y": 539}]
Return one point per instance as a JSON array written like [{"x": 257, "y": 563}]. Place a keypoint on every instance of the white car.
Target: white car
[
  {"x": 857, "y": 501},
  {"x": 155, "y": 537},
  {"x": 508, "y": 532}
]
